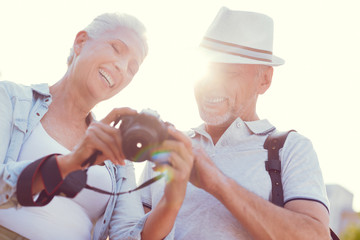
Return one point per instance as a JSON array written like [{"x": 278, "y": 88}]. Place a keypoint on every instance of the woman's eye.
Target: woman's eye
[
  {"x": 132, "y": 71},
  {"x": 116, "y": 48},
  {"x": 133, "y": 68}
]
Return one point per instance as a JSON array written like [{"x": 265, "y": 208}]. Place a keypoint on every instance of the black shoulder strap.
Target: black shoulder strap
[{"x": 273, "y": 143}]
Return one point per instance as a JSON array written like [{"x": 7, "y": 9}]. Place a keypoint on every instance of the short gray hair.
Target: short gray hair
[
  {"x": 110, "y": 21},
  {"x": 261, "y": 69}
]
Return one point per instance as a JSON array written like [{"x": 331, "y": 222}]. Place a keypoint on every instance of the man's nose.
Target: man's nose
[{"x": 211, "y": 79}]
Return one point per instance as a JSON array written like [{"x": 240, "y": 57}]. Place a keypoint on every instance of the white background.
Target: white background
[{"x": 315, "y": 92}]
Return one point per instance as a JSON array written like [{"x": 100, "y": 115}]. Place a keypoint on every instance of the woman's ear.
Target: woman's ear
[
  {"x": 80, "y": 39},
  {"x": 266, "y": 79}
]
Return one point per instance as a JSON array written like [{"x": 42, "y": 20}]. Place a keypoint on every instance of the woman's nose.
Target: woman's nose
[{"x": 121, "y": 65}]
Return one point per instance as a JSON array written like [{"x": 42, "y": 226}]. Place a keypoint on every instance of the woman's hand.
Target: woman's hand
[{"x": 100, "y": 136}]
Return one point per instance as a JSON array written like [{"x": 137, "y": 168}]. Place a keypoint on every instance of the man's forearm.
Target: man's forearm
[
  {"x": 160, "y": 221},
  {"x": 264, "y": 220}
]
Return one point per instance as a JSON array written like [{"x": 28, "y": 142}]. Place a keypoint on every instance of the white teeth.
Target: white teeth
[
  {"x": 215, "y": 99},
  {"x": 107, "y": 77}
]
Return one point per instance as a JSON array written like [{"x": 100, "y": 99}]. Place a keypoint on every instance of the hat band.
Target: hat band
[{"x": 237, "y": 50}]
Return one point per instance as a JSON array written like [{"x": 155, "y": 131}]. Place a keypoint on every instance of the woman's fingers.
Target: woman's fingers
[
  {"x": 107, "y": 140},
  {"x": 116, "y": 114},
  {"x": 102, "y": 138}
]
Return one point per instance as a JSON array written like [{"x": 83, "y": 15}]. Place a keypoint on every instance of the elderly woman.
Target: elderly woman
[{"x": 39, "y": 121}]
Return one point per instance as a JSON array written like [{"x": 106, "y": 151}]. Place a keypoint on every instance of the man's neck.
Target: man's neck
[{"x": 215, "y": 131}]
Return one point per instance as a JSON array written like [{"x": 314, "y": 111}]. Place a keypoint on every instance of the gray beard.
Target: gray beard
[{"x": 215, "y": 120}]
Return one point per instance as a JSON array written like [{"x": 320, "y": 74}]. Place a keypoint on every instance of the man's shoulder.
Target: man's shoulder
[{"x": 296, "y": 138}]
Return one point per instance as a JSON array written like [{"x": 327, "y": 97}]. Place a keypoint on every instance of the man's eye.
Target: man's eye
[{"x": 231, "y": 74}]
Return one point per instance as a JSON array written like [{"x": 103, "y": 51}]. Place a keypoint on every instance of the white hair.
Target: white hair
[
  {"x": 261, "y": 69},
  {"x": 110, "y": 21}
]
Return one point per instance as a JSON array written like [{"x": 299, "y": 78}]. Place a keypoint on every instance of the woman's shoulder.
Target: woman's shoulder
[
  {"x": 18, "y": 89},
  {"x": 13, "y": 88}
]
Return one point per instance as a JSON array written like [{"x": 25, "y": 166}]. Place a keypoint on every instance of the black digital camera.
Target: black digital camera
[{"x": 141, "y": 133}]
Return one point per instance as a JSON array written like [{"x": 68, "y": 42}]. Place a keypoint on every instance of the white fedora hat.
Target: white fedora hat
[{"x": 240, "y": 37}]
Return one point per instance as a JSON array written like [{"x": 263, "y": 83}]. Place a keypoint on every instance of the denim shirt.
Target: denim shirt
[{"x": 21, "y": 109}]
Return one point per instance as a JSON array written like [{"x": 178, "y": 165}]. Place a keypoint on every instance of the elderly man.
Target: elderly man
[{"x": 230, "y": 192}]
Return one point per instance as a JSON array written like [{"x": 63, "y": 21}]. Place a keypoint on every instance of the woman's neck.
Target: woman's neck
[{"x": 66, "y": 98}]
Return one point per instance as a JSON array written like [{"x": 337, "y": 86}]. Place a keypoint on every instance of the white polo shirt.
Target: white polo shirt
[{"x": 239, "y": 154}]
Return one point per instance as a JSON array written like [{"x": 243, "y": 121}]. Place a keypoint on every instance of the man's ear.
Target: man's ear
[
  {"x": 80, "y": 39},
  {"x": 266, "y": 79}
]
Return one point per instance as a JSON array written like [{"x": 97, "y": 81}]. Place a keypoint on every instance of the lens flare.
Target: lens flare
[
  {"x": 168, "y": 176},
  {"x": 160, "y": 157},
  {"x": 143, "y": 153}
]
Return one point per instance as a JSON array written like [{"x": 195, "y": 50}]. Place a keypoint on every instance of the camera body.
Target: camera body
[{"x": 141, "y": 133}]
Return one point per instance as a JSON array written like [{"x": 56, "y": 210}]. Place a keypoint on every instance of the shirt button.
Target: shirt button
[
  {"x": 46, "y": 100},
  {"x": 8, "y": 176},
  {"x": 104, "y": 221},
  {"x": 238, "y": 124},
  {"x": 7, "y": 196},
  {"x": 38, "y": 114}
]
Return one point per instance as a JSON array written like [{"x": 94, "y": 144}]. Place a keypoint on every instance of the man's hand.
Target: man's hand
[
  {"x": 181, "y": 159},
  {"x": 205, "y": 173},
  {"x": 262, "y": 219}
]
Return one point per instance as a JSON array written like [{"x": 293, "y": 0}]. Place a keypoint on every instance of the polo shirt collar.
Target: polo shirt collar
[{"x": 259, "y": 127}]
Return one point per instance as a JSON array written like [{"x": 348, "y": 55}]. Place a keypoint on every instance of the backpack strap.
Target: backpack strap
[{"x": 273, "y": 143}]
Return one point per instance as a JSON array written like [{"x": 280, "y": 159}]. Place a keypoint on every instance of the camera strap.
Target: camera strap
[
  {"x": 55, "y": 185},
  {"x": 76, "y": 181},
  {"x": 144, "y": 184},
  {"x": 90, "y": 161}
]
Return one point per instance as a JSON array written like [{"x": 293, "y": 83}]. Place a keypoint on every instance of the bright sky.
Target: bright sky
[{"x": 315, "y": 92}]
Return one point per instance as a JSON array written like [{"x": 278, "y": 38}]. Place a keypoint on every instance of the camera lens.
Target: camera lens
[
  {"x": 137, "y": 144},
  {"x": 140, "y": 134}
]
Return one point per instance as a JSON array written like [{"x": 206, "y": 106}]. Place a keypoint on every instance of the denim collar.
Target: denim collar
[{"x": 42, "y": 89}]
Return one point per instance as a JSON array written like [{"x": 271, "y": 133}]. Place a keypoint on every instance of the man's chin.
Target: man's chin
[{"x": 216, "y": 120}]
